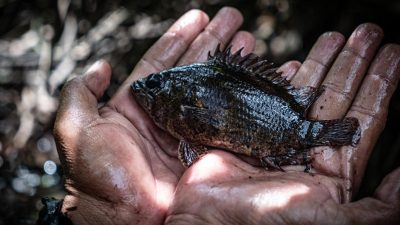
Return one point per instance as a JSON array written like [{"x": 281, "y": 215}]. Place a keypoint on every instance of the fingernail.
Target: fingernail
[
  {"x": 366, "y": 39},
  {"x": 95, "y": 66},
  {"x": 387, "y": 61},
  {"x": 368, "y": 31},
  {"x": 333, "y": 40}
]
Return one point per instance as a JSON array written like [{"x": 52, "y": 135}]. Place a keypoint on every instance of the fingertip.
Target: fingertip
[
  {"x": 200, "y": 15},
  {"x": 327, "y": 47},
  {"x": 389, "y": 189},
  {"x": 193, "y": 17},
  {"x": 387, "y": 63},
  {"x": 219, "y": 30},
  {"x": 231, "y": 13},
  {"x": 391, "y": 48},
  {"x": 371, "y": 28},
  {"x": 97, "y": 77},
  {"x": 225, "y": 22},
  {"x": 365, "y": 40},
  {"x": 245, "y": 40},
  {"x": 289, "y": 69},
  {"x": 333, "y": 37}
]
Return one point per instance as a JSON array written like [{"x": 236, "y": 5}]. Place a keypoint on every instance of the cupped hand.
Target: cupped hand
[
  {"x": 119, "y": 167},
  {"x": 359, "y": 80}
]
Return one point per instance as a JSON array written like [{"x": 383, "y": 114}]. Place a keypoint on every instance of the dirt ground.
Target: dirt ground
[{"x": 45, "y": 42}]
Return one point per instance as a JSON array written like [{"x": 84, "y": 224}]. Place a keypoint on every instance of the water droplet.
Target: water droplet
[
  {"x": 44, "y": 144},
  {"x": 50, "y": 167}
]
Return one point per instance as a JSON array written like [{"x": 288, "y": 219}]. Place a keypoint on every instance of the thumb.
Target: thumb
[
  {"x": 78, "y": 100},
  {"x": 389, "y": 190},
  {"x": 97, "y": 78},
  {"x": 384, "y": 208}
]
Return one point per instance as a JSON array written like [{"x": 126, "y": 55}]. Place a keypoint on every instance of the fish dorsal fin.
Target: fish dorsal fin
[
  {"x": 253, "y": 68},
  {"x": 251, "y": 65}
]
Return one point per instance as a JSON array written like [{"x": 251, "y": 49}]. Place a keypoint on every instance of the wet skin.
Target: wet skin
[
  {"x": 239, "y": 104},
  {"x": 121, "y": 169}
]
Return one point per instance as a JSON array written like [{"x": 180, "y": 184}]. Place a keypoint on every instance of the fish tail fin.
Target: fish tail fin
[{"x": 335, "y": 132}]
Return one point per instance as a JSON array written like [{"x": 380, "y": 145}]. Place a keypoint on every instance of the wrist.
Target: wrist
[
  {"x": 51, "y": 213},
  {"x": 85, "y": 210}
]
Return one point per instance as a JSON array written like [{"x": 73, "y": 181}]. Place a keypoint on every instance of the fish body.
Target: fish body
[{"x": 239, "y": 104}]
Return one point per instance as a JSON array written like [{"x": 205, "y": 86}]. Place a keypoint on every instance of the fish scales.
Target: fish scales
[{"x": 239, "y": 104}]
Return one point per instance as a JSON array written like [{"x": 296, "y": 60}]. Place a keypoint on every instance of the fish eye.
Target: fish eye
[{"x": 153, "y": 81}]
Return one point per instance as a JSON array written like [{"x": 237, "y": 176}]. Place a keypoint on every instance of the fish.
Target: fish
[{"x": 239, "y": 104}]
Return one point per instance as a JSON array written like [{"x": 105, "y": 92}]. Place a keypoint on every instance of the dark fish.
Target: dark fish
[{"x": 239, "y": 104}]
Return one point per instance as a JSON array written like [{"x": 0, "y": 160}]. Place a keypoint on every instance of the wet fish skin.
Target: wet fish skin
[{"x": 239, "y": 104}]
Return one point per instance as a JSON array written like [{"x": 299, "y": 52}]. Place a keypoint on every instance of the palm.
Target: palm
[
  {"x": 232, "y": 192},
  {"x": 220, "y": 187},
  {"x": 122, "y": 169},
  {"x": 117, "y": 161},
  {"x": 105, "y": 159}
]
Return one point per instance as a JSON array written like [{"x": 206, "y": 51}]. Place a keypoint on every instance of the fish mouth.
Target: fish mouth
[
  {"x": 139, "y": 89},
  {"x": 137, "y": 86},
  {"x": 141, "y": 94}
]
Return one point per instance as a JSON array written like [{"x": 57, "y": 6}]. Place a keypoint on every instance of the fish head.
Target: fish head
[
  {"x": 148, "y": 90},
  {"x": 161, "y": 94},
  {"x": 171, "y": 85}
]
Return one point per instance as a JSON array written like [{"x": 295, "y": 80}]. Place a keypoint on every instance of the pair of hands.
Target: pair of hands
[{"x": 122, "y": 169}]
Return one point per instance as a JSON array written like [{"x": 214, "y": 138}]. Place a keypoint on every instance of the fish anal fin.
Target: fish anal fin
[
  {"x": 189, "y": 153},
  {"x": 292, "y": 157},
  {"x": 270, "y": 163}
]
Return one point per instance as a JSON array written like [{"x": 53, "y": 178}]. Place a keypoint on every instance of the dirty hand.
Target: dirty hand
[
  {"x": 119, "y": 167},
  {"x": 359, "y": 80}
]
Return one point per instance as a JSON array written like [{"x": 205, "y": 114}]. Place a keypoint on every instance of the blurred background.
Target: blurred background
[{"x": 45, "y": 42}]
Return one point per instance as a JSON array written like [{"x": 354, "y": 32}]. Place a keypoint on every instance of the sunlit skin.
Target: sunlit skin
[{"x": 121, "y": 169}]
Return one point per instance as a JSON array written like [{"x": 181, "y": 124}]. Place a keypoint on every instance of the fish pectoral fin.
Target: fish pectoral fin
[
  {"x": 189, "y": 153},
  {"x": 204, "y": 115},
  {"x": 270, "y": 162},
  {"x": 305, "y": 96}
]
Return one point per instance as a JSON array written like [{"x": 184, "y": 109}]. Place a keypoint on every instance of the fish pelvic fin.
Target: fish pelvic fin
[
  {"x": 334, "y": 132},
  {"x": 305, "y": 97},
  {"x": 189, "y": 153}
]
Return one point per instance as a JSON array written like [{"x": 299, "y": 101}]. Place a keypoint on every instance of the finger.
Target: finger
[
  {"x": 389, "y": 190},
  {"x": 163, "y": 54},
  {"x": 347, "y": 72},
  {"x": 319, "y": 60},
  {"x": 78, "y": 101},
  {"x": 371, "y": 104},
  {"x": 245, "y": 40},
  {"x": 97, "y": 78},
  {"x": 289, "y": 69},
  {"x": 219, "y": 31},
  {"x": 384, "y": 209},
  {"x": 170, "y": 47}
]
